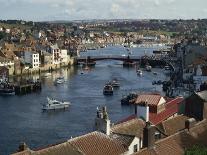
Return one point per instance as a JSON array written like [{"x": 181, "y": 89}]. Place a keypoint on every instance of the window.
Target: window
[{"x": 135, "y": 148}]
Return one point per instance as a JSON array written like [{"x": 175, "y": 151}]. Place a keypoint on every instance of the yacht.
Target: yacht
[
  {"x": 108, "y": 89},
  {"x": 53, "y": 104}
]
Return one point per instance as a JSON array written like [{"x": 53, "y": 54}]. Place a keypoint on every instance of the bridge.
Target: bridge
[{"x": 142, "y": 60}]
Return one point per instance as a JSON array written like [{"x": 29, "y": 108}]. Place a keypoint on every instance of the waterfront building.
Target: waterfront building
[
  {"x": 155, "y": 108},
  {"x": 32, "y": 58},
  {"x": 55, "y": 51}
]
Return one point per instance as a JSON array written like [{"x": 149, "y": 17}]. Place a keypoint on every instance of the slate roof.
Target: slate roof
[
  {"x": 173, "y": 125},
  {"x": 132, "y": 127}
]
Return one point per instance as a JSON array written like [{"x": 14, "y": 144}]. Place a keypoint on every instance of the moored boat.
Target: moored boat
[
  {"x": 59, "y": 80},
  {"x": 128, "y": 99},
  {"x": 53, "y": 104},
  {"x": 6, "y": 89},
  {"x": 115, "y": 83},
  {"x": 108, "y": 89},
  {"x": 139, "y": 72},
  {"x": 148, "y": 68}
]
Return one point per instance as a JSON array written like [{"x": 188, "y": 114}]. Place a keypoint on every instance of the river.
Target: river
[{"x": 21, "y": 117}]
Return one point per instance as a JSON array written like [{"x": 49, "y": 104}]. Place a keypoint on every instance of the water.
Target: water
[{"x": 22, "y": 120}]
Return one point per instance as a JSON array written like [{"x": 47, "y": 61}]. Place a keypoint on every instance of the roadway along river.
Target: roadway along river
[{"x": 22, "y": 120}]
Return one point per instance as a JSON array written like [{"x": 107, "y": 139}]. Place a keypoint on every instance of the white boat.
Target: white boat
[
  {"x": 59, "y": 80},
  {"x": 47, "y": 74},
  {"x": 148, "y": 68},
  {"x": 139, "y": 72},
  {"x": 115, "y": 83},
  {"x": 53, "y": 104}
]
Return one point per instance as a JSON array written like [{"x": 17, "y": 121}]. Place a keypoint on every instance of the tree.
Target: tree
[{"x": 196, "y": 150}]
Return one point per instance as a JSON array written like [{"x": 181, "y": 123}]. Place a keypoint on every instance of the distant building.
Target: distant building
[{"x": 56, "y": 54}]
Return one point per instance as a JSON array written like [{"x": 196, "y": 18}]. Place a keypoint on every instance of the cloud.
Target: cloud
[{"x": 90, "y": 9}]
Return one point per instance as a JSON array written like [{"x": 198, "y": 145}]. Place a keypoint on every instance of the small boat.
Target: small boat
[
  {"x": 155, "y": 73},
  {"x": 59, "y": 80},
  {"x": 53, "y": 104},
  {"x": 128, "y": 99},
  {"x": 7, "y": 91},
  {"x": 108, "y": 89},
  {"x": 115, "y": 83},
  {"x": 139, "y": 72},
  {"x": 148, "y": 68},
  {"x": 47, "y": 74},
  {"x": 167, "y": 67}
]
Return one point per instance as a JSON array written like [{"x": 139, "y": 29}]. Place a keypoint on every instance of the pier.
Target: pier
[{"x": 27, "y": 88}]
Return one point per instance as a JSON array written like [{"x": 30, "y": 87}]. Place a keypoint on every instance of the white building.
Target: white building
[
  {"x": 6, "y": 62},
  {"x": 32, "y": 58},
  {"x": 63, "y": 56},
  {"x": 56, "y": 56}
]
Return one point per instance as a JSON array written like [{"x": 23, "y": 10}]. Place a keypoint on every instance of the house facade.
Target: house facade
[{"x": 32, "y": 58}]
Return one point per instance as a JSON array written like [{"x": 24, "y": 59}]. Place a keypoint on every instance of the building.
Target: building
[
  {"x": 56, "y": 54},
  {"x": 32, "y": 58},
  {"x": 155, "y": 108},
  {"x": 196, "y": 105},
  {"x": 124, "y": 138}
]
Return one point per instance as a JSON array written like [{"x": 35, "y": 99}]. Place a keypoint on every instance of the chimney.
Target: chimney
[
  {"x": 189, "y": 123},
  {"x": 142, "y": 111},
  {"x": 102, "y": 122},
  {"x": 22, "y": 147},
  {"x": 149, "y": 135}
]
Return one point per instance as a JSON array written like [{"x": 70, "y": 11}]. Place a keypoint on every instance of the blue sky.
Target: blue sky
[{"x": 40, "y": 10}]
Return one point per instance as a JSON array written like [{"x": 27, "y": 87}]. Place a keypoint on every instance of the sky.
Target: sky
[{"x": 49, "y": 10}]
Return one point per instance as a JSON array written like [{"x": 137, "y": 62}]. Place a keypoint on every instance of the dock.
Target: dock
[{"x": 21, "y": 89}]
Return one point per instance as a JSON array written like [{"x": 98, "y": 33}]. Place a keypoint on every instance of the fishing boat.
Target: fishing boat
[
  {"x": 115, "y": 83},
  {"x": 59, "y": 80},
  {"x": 53, "y": 104},
  {"x": 108, "y": 89}
]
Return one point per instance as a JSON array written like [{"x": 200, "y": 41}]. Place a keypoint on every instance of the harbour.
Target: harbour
[{"x": 22, "y": 119}]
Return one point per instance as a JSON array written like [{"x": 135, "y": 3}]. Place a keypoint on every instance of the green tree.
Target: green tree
[{"x": 196, "y": 150}]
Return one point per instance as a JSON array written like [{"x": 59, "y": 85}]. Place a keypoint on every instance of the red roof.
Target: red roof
[
  {"x": 152, "y": 99},
  {"x": 170, "y": 109}
]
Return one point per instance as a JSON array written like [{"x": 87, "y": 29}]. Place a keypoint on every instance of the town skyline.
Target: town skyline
[{"x": 69, "y": 10}]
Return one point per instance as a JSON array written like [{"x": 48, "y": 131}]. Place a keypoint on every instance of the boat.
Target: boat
[
  {"x": 115, "y": 83},
  {"x": 7, "y": 89},
  {"x": 108, "y": 89},
  {"x": 47, "y": 74},
  {"x": 59, "y": 80},
  {"x": 167, "y": 67},
  {"x": 155, "y": 73},
  {"x": 129, "y": 99},
  {"x": 53, "y": 104},
  {"x": 139, "y": 72},
  {"x": 148, "y": 68}
]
